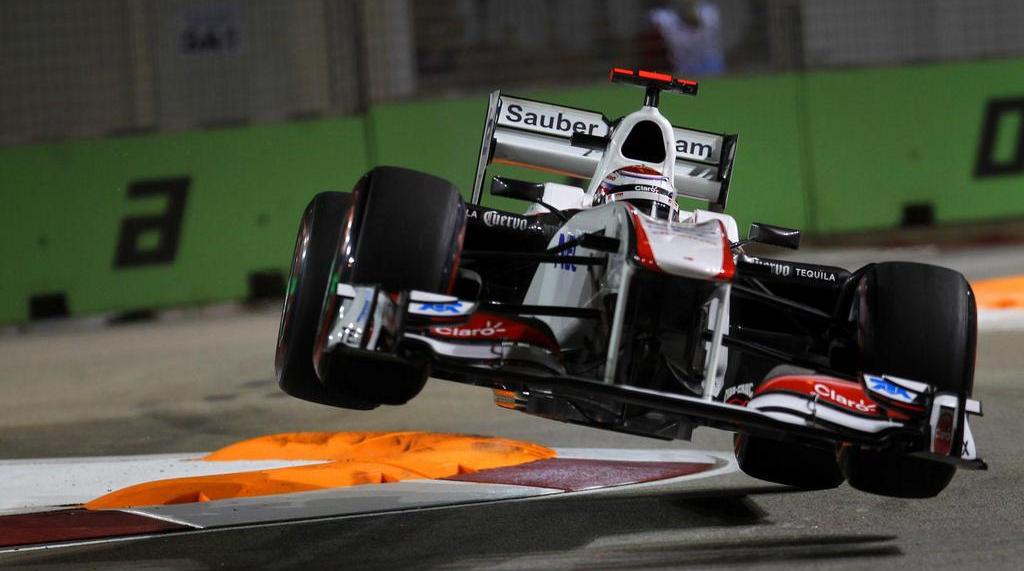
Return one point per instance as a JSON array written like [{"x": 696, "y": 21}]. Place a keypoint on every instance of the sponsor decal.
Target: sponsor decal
[
  {"x": 647, "y": 188},
  {"x": 564, "y": 237},
  {"x": 705, "y": 232},
  {"x": 367, "y": 300},
  {"x": 603, "y": 190},
  {"x": 943, "y": 441},
  {"x": 210, "y": 30},
  {"x": 494, "y": 218},
  {"x": 442, "y": 308},
  {"x": 354, "y": 328},
  {"x": 830, "y": 394},
  {"x": 484, "y": 326},
  {"x": 1001, "y": 116},
  {"x": 135, "y": 244},
  {"x": 693, "y": 148},
  {"x": 739, "y": 391},
  {"x": 815, "y": 274},
  {"x": 777, "y": 268},
  {"x": 642, "y": 171},
  {"x": 890, "y": 389},
  {"x": 516, "y": 114},
  {"x": 351, "y": 336},
  {"x": 489, "y": 329},
  {"x": 784, "y": 270}
]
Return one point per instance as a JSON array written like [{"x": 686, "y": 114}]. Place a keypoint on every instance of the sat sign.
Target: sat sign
[{"x": 214, "y": 29}]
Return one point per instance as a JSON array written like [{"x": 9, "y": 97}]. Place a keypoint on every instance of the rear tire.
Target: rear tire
[
  {"x": 315, "y": 247},
  {"x": 406, "y": 233},
  {"x": 918, "y": 322}
]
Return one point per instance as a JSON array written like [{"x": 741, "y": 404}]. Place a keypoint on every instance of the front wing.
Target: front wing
[{"x": 521, "y": 360}]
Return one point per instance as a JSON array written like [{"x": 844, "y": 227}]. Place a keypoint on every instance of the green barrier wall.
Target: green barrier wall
[
  {"x": 883, "y": 138},
  {"x": 65, "y": 205},
  {"x": 827, "y": 152}
]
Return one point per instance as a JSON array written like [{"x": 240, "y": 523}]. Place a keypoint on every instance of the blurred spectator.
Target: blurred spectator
[{"x": 692, "y": 35}]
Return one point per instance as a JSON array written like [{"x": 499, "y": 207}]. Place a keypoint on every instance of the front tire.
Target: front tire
[
  {"x": 894, "y": 475},
  {"x": 788, "y": 463},
  {"x": 406, "y": 233},
  {"x": 918, "y": 322},
  {"x": 314, "y": 250}
]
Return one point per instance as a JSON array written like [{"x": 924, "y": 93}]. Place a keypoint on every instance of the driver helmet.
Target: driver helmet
[{"x": 640, "y": 185}]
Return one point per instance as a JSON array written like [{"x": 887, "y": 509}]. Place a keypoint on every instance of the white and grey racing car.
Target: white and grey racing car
[{"x": 606, "y": 304}]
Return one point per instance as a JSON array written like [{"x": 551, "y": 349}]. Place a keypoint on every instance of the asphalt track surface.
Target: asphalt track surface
[{"x": 201, "y": 380}]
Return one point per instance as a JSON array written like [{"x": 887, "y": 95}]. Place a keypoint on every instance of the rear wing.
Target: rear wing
[{"x": 538, "y": 135}]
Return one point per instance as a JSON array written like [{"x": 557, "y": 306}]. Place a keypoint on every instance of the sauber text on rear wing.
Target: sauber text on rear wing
[{"x": 538, "y": 135}]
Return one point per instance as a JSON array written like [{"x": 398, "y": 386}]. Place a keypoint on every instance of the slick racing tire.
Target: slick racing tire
[
  {"x": 894, "y": 475},
  {"x": 788, "y": 463},
  {"x": 918, "y": 322},
  {"x": 406, "y": 233},
  {"x": 315, "y": 248}
]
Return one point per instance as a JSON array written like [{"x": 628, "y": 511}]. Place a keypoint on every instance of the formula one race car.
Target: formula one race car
[{"x": 612, "y": 307}]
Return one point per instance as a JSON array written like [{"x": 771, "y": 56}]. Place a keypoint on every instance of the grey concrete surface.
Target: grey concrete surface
[
  {"x": 198, "y": 383},
  {"x": 975, "y": 262}
]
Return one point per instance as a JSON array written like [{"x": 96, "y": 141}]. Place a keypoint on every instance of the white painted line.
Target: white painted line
[
  {"x": 84, "y": 542},
  {"x": 162, "y": 517},
  {"x": 31, "y": 484},
  {"x": 352, "y": 500}
]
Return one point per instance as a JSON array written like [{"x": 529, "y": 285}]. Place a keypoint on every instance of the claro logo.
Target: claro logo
[
  {"x": 830, "y": 394},
  {"x": 489, "y": 329}
]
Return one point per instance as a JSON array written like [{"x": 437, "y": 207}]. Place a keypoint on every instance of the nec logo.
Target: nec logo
[
  {"x": 442, "y": 308},
  {"x": 884, "y": 386},
  {"x": 567, "y": 252}
]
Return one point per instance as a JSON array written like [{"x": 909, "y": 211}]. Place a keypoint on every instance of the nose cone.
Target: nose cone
[{"x": 699, "y": 251}]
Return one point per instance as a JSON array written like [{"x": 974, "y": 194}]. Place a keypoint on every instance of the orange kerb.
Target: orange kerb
[
  {"x": 1000, "y": 293},
  {"x": 351, "y": 459}
]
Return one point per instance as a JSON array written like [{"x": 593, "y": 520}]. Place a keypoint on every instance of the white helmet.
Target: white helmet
[{"x": 642, "y": 186}]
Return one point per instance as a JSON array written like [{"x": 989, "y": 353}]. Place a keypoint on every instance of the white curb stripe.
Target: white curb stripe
[
  {"x": 351, "y": 500},
  {"x": 414, "y": 494},
  {"x": 31, "y": 484}
]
